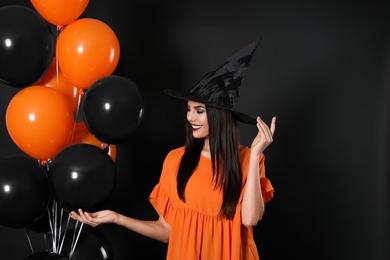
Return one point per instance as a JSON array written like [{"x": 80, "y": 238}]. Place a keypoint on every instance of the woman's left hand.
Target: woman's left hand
[{"x": 264, "y": 137}]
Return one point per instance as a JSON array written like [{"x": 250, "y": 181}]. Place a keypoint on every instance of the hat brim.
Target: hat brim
[{"x": 241, "y": 117}]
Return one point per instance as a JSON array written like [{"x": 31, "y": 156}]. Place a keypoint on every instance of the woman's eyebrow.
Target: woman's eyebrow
[{"x": 197, "y": 107}]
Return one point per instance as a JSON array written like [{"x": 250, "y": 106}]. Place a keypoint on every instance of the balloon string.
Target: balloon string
[
  {"x": 51, "y": 223},
  {"x": 29, "y": 241},
  {"x": 73, "y": 247},
  {"x": 55, "y": 235},
  {"x": 56, "y": 226},
  {"x": 81, "y": 94},
  {"x": 64, "y": 234},
  {"x": 73, "y": 238},
  {"x": 46, "y": 163},
  {"x": 59, "y": 231}
]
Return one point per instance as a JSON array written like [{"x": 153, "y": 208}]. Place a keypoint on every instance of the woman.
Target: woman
[{"x": 212, "y": 190}]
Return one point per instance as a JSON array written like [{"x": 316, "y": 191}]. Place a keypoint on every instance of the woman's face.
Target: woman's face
[{"x": 197, "y": 117}]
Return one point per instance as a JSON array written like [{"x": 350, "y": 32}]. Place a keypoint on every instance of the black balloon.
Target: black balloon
[
  {"x": 82, "y": 176},
  {"x": 24, "y": 191},
  {"x": 92, "y": 245},
  {"x": 113, "y": 108},
  {"x": 27, "y": 46},
  {"x": 45, "y": 256}
]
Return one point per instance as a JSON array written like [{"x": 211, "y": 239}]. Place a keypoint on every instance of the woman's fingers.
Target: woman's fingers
[
  {"x": 273, "y": 125},
  {"x": 74, "y": 215},
  {"x": 265, "y": 134},
  {"x": 83, "y": 217},
  {"x": 264, "y": 130}
]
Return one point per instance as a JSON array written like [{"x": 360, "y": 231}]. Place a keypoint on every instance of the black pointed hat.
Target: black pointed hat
[{"x": 220, "y": 87}]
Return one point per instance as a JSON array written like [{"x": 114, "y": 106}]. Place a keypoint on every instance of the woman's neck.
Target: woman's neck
[{"x": 206, "y": 149}]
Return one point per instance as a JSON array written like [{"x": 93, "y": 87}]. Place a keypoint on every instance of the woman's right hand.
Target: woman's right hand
[{"x": 96, "y": 218}]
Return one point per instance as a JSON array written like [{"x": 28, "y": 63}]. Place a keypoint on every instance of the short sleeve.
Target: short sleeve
[
  {"x": 266, "y": 185},
  {"x": 160, "y": 200},
  {"x": 163, "y": 192},
  {"x": 267, "y": 189}
]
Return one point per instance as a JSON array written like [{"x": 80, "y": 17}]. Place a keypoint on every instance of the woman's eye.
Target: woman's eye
[{"x": 200, "y": 111}]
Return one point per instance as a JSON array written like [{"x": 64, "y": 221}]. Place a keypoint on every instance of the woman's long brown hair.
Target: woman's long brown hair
[{"x": 225, "y": 156}]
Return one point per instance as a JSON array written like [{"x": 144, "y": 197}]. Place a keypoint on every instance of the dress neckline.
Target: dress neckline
[{"x": 204, "y": 156}]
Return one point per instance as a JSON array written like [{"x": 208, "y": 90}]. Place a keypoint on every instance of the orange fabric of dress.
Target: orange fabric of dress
[{"x": 197, "y": 230}]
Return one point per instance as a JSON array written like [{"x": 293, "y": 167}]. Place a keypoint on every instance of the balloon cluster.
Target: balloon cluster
[{"x": 67, "y": 164}]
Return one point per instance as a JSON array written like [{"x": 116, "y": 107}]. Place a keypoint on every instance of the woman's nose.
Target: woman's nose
[{"x": 190, "y": 116}]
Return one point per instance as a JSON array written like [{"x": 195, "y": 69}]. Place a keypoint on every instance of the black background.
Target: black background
[{"x": 322, "y": 68}]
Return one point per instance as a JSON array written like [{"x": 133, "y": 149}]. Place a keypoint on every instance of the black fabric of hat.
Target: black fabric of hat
[{"x": 220, "y": 87}]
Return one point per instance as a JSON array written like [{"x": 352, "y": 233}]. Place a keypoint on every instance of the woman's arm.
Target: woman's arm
[
  {"x": 156, "y": 229},
  {"x": 253, "y": 203}
]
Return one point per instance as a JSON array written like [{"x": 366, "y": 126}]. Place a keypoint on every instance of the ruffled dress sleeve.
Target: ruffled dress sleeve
[
  {"x": 266, "y": 185},
  {"x": 160, "y": 200},
  {"x": 164, "y": 193}
]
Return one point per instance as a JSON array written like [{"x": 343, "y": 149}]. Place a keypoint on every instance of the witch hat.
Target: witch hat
[{"x": 220, "y": 87}]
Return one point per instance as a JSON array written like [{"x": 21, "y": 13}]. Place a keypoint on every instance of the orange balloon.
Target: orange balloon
[
  {"x": 40, "y": 121},
  {"x": 54, "y": 78},
  {"x": 87, "y": 50},
  {"x": 60, "y": 12},
  {"x": 82, "y": 134}
]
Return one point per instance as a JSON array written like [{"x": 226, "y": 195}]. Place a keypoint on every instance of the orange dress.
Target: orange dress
[{"x": 197, "y": 230}]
